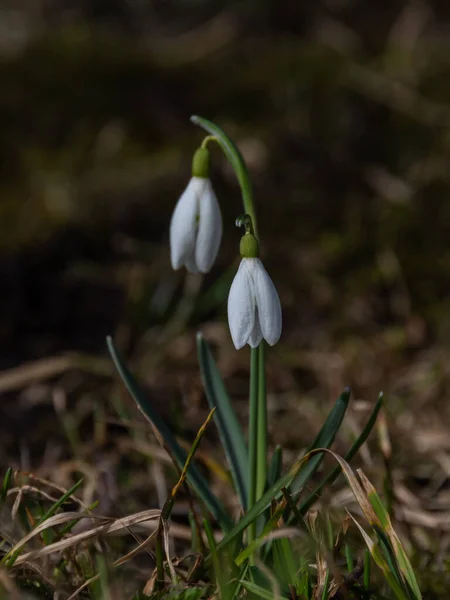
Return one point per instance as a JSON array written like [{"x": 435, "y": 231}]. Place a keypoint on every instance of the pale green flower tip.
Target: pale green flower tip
[
  {"x": 200, "y": 163},
  {"x": 249, "y": 246}
]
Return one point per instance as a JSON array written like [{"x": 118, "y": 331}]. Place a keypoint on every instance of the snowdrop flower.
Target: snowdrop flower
[
  {"x": 196, "y": 225},
  {"x": 254, "y": 310}
]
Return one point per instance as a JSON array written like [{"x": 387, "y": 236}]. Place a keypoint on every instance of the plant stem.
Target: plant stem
[
  {"x": 237, "y": 162},
  {"x": 159, "y": 555},
  {"x": 262, "y": 424},
  {"x": 366, "y": 576},
  {"x": 258, "y": 409},
  {"x": 253, "y": 438}
]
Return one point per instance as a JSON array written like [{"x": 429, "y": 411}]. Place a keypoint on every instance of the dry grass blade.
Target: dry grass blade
[
  {"x": 112, "y": 526},
  {"x": 117, "y": 563},
  {"x": 192, "y": 452},
  {"x": 355, "y": 485},
  {"x": 45, "y": 482},
  {"x": 173, "y": 574},
  {"x": 50, "y": 522},
  {"x": 33, "y": 490},
  {"x": 45, "y": 368}
]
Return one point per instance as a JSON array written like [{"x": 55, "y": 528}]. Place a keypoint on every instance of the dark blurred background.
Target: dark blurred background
[{"x": 342, "y": 110}]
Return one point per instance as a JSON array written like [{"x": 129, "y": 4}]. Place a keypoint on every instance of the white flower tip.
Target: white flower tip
[
  {"x": 254, "y": 309},
  {"x": 196, "y": 227},
  {"x": 238, "y": 344}
]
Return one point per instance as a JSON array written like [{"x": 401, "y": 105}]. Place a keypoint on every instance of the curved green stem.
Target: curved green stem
[
  {"x": 208, "y": 138},
  {"x": 233, "y": 154},
  {"x": 258, "y": 408}
]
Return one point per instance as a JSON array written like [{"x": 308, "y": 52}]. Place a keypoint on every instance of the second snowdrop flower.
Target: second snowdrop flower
[
  {"x": 254, "y": 310},
  {"x": 196, "y": 225}
]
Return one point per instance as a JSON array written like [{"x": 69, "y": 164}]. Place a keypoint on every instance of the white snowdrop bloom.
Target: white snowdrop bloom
[
  {"x": 196, "y": 225},
  {"x": 254, "y": 310}
]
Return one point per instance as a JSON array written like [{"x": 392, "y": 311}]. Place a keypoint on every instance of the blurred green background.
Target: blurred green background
[{"x": 342, "y": 110}]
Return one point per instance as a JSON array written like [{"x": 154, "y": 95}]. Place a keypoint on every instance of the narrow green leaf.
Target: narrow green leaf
[
  {"x": 305, "y": 506},
  {"x": 195, "y": 478},
  {"x": 324, "y": 439},
  {"x": 5, "y": 485},
  {"x": 325, "y": 585},
  {"x": 384, "y": 544},
  {"x": 263, "y": 542},
  {"x": 284, "y": 560},
  {"x": 349, "y": 558},
  {"x": 260, "y": 591},
  {"x": 276, "y": 465},
  {"x": 230, "y": 431},
  {"x": 378, "y": 556},
  {"x": 212, "y": 546},
  {"x": 54, "y": 507},
  {"x": 385, "y": 528},
  {"x": 263, "y": 503}
]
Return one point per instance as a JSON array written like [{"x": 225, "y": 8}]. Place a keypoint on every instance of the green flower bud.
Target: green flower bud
[
  {"x": 249, "y": 246},
  {"x": 200, "y": 163}
]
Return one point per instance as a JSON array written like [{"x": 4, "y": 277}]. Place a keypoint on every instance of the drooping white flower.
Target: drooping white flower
[
  {"x": 196, "y": 225},
  {"x": 254, "y": 309}
]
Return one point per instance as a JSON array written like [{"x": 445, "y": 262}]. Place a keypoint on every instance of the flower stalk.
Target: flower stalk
[{"x": 253, "y": 291}]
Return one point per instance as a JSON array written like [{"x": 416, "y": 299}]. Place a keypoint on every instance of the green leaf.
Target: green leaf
[
  {"x": 54, "y": 507},
  {"x": 387, "y": 534},
  {"x": 195, "y": 478},
  {"x": 284, "y": 561},
  {"x": 5, "y": 485},
  {"x": 324, "y": 439},
  {"x": 263, "y": 503},
  {"x": 276, "y": 465},
  {"x": 260, "y": 592},
  {"x": 305, "y": 506},
  {"x": 228, "y": 425}
]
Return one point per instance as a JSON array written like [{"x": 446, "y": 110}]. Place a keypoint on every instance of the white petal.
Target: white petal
[
  {"x": 209, "y": 229},
  {"x": 183, "y": 226},
  {"x": 267, "y": 302},
  {"x": 256, "y": 334},
  {"x": 241, "y": 306}
]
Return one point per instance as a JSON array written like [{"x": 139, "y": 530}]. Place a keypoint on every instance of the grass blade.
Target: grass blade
[
  {"x": 51, "y": 511},
  {"x": 197, "y": 481},
  {"x": 263, "y": 503},
  {"x": 230, "y": 431},
  {"x": 5, "y": 485},
  {"x": 386, "y": 527},
  {"x": 324, "y": 439},
  {"x": 276, "y": 465},
  {"x": 395, "y": 563},
  {"x": 260, "y": 592},
  {"x": 305, "y": 506}
]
